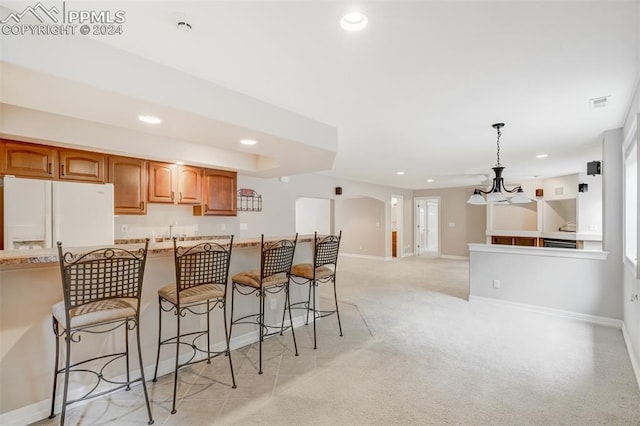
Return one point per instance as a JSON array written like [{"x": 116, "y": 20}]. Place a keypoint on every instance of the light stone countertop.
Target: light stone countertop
[{"x": 50, "y": 255}]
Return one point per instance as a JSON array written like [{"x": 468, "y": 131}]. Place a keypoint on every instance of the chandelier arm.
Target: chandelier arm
[
  {"x": 493, "y": 188},
  {"x": 511, "y": 191}
]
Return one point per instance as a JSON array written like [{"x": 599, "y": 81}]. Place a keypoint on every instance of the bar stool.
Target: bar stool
[
  {"x": 202, "y": 272},
  {"x": 276, "y": 258},
  {"x": 102, "y": 290},
  {"x": 323, "y": 270}
]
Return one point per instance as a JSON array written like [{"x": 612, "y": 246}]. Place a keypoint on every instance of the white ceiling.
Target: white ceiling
[{"x": 418, "y": 89}]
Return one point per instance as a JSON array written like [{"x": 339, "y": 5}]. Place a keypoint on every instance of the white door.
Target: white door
[{"x": 427, "y": 219}]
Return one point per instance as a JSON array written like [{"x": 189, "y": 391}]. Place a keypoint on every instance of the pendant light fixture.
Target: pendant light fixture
[{"x": 496, "y": 193}]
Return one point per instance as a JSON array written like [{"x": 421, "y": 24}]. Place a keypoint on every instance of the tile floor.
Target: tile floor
[{"x": 205, "y": 395}]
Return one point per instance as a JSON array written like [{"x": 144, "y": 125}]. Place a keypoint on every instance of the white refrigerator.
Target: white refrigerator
[{"x": 38, "y": 213}]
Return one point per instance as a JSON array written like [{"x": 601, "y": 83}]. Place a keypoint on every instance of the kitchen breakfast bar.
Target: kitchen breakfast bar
[{"x": 30, "y": 284}]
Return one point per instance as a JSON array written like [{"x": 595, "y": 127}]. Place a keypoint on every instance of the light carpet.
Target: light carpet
[{"x": 414, "y": 352}]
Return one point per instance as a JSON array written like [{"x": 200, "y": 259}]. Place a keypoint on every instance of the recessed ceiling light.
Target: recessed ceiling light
[
  {"x": 180, "y": 163},
  {"x": 429, "y": 180},
  {"x": 399, "y": 173},
  {"x": 248, "y": 142},
  {"x": 542, "y": 155},
  {"x": 149, "y": 119},
  {"x": 354, "y": 21}
]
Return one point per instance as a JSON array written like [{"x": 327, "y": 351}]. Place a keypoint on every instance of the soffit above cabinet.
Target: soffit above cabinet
[{"x": 106, "y": 120}]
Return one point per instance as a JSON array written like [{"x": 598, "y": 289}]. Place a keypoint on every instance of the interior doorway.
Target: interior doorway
[
  {"x": 397, "y": 202},
  {"x": 427, "y": 220}
]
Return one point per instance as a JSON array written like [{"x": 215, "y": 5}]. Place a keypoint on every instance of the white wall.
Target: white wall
[
  {"x": 313, "y": 215},
  {"x": 590, "y": 205},
  {"x": 362, "y": 222},
  {"x": 278, "y": 216},
  {"x": 534, "y": 276}
]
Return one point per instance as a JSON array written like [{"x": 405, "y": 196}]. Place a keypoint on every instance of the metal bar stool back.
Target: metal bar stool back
[
  {"x": 323, "y": 269},
  {"x": 276, "y": 258},
  {"x": 102, "y": 290},
  {"x": 200, "y": 287}
]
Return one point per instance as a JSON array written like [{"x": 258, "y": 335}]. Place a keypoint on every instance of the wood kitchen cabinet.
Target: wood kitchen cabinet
[
  {"x": 161, "y": 187},
  {"x": 28, "y": 160},
  {"x": 170, "y": 183},
  {"x": 129, "y": 179},
  {"x": 189, "y": 185},
  {"x": 219, "y": 194},
  {"x": 82, "y": 166}
]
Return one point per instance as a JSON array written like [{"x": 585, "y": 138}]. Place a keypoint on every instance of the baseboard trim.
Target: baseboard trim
[
  {"x": 40, "y": 410},
  {"x": 26, "y": 415},
  {"x": 632, "y": 354},
  {"x": 365, "y": 256},
  {"x": 450, "y": 256},
  {"x": 594, "y": 319}
]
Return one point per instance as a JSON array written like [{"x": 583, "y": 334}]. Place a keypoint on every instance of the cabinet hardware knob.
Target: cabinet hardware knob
[
  {"x": 206, "y": 207},
  {"x": 49, "y": 168},
  {"x": 141, "y": 205},
  {"x": 180, "y": 195},
  {"x": 172, "y": 196},
  {"x": 62, "y": 169}
]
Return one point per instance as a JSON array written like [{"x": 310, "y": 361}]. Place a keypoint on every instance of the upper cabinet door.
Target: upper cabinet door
[
  {"x": 82, "y": 166},
  {"x": 220, "y": 193},
  {"x": 129, "y": 179},
  {"x": 189, "y": 185},
  {"x": 161, "y": 182},
  {"x": 28, "y": 160}
]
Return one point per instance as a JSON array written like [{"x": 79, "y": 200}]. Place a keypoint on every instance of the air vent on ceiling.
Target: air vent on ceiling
[{"x": 600, "y": 102}]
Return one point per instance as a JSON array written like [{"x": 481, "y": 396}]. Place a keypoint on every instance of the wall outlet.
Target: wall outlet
[
  {"x": 360, "y": 247},
  {"x": 223, "y": 226},
  {"x": 496, "y": 284},
  {"x": 124, "y": 228},
  {"x": 593, "y": 227},
  {"x": 244, "y": 226},
  {"x": 195, "y": 228},
  {"x": 452, "y": 224}
]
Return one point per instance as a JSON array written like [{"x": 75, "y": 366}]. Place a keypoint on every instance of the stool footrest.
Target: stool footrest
[
  {"x": 196, "y": 349},
  {"x": 91, "y": 394},
  {"x": 322, "y": 314},
  {"x": 256, "y": 321}
]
